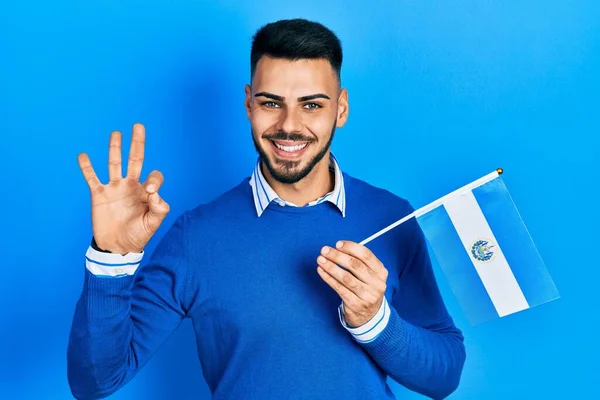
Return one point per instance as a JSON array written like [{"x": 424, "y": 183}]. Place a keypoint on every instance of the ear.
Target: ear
[
  {"x": 343, "y": 108},
  {"x": 248, "y": 101}
]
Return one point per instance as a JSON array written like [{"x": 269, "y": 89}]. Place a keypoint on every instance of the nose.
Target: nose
[{"x": 290, "y": 121}]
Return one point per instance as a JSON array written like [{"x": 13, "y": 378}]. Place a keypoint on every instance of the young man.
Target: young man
[{"x": 284, "y": 302}]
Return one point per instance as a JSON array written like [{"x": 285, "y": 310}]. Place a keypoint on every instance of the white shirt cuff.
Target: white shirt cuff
[
  {"x": 110, "y": 264},
  {"x": 372, "y": 328}
]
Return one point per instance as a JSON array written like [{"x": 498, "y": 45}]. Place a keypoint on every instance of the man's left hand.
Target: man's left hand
[{"x": 361, "y": 285}]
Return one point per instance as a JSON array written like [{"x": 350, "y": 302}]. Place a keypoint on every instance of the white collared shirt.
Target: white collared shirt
[{"x": 264, "y": 194}]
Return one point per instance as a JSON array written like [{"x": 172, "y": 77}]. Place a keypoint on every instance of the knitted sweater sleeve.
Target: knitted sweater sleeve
[
  {"x": 124, "y": 313},
  {"x": 413, "y": 338}
]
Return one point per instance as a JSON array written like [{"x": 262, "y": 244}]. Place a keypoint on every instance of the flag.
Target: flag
[{"x": 484, "y": 249}]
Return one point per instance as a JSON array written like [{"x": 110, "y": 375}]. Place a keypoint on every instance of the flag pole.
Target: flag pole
[{"x": 434, "y": 204}]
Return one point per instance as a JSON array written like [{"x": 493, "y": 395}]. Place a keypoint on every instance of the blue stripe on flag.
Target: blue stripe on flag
[
  {"x": 517, "y": 246},
  {"x": 456, "y": 264}
]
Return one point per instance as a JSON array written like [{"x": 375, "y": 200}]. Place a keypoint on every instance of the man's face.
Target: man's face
[{"x": 294, "y": 108}]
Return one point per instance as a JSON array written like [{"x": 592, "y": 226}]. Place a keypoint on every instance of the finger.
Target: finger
[
  {"x": 346, "y": 279},
  {"x": 158, "y": 209},
  {"x": 347, "y": 296},
  {"x": 359, "y": 269},
  {"x": 136, "y": 152},
  {"x": 364, "y": 254},
  {"x": 88, "y": 173},
  {"x": 154, "y": 182},
  {"x": 114, "y": 157}
]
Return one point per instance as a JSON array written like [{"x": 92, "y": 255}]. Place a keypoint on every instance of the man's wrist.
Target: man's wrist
[
  {"x": 113, "y": 250},
  {"x": 372, "y": 328},
  {"x": 97, "y": 248}
]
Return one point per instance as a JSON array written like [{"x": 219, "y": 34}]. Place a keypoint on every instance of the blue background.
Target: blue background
[{"x": 440, "y": 93}]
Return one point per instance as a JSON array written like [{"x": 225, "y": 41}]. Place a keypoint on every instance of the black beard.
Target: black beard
[{"x": 286, "y": 175}]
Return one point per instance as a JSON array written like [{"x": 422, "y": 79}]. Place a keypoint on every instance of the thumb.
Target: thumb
[{"x": 157, "y": 212}]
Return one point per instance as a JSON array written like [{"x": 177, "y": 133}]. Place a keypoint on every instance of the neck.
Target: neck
[{"x": 316, "y": 184}]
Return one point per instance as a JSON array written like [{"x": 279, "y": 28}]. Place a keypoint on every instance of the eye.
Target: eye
[
  {"x": 312, "y": 106},
  {"x": 270, "y": 104}
]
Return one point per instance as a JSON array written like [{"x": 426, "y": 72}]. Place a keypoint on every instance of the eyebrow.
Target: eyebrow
[
  {"x": 300, "y": 99},
  {"x": 313, "y": 96}
]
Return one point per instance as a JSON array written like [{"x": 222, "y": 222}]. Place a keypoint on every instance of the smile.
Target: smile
[{"x": 289, "y": 148}]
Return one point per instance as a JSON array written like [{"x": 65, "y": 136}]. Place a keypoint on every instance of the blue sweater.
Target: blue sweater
[{"x": 267, "y": 326}]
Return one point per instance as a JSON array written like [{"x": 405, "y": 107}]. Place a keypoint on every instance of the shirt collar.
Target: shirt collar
[{"x": 264, "y": 194}]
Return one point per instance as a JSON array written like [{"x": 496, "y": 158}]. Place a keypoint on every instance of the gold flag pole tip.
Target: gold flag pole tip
[{"x": 499, "y": 171}]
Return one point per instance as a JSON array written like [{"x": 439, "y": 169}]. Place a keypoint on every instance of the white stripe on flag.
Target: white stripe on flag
[{"x": 495, "y": 273}]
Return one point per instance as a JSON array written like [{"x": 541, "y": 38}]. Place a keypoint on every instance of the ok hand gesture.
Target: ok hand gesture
[{"x": 125, "y": 212}]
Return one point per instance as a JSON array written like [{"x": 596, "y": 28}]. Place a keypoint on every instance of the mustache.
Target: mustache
[{"x": 298, "y": 137}]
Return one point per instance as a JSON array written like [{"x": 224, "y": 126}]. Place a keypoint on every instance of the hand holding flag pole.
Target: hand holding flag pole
[{"x": 481, "y": 243}]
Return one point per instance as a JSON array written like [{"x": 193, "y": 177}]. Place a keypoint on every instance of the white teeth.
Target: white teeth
[{"x": 291, "y": 149}]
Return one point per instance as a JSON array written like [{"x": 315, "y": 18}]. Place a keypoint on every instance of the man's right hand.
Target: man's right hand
[{"x": 125, "y": 212}]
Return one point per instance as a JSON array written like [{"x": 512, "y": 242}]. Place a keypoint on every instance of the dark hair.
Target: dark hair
[{"x": 296, "y": 39}]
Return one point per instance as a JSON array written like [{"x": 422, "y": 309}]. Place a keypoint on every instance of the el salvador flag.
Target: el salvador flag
[{"x": 485, "y": 250}]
